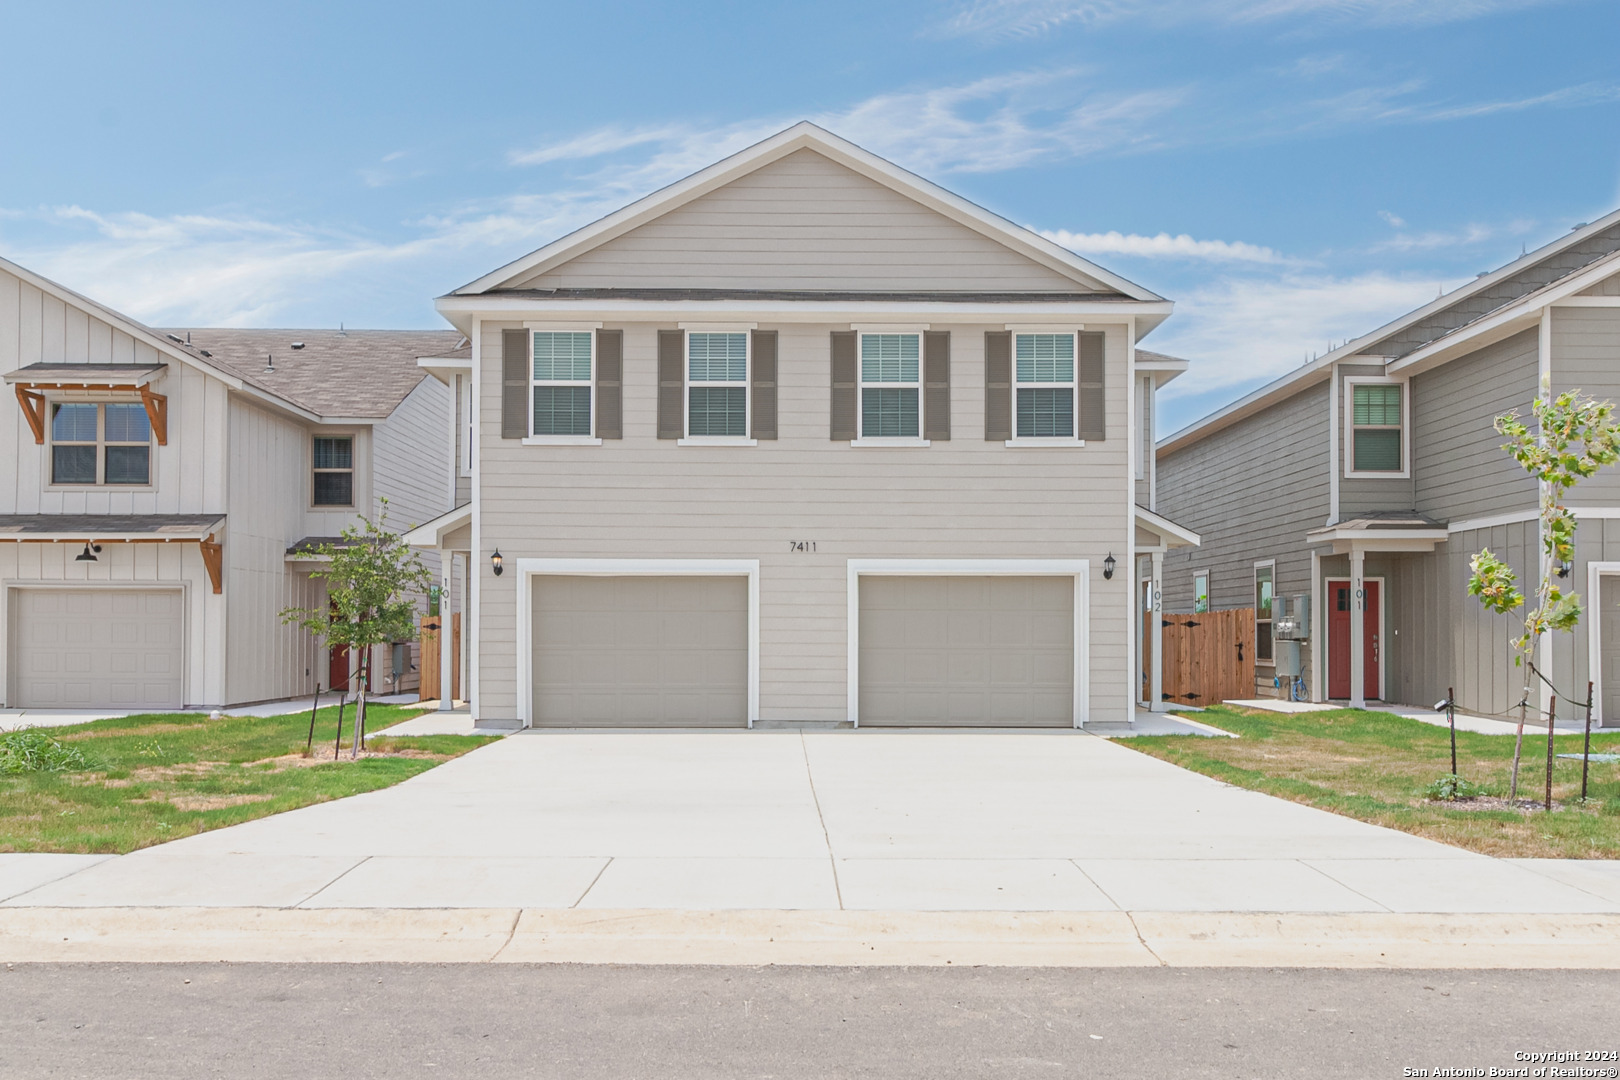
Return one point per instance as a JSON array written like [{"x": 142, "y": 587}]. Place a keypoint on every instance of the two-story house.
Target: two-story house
[
  {"x": 161, "y": 490},
  {"x": 1366, "y": 480},
  {"x": 804, "y": 438}
]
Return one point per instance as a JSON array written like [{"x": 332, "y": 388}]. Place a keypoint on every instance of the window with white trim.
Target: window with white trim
[
  {"x": 1264, "y": 575},
  {"x": 561, "y": 392},
  {"x": 717, "y": 384},
  {"x": 1043, "y": 373},
  {"x": 891, "y": 386},
  {"x": 100, "y": 444},
  {"x": 1200, "y": 592},
  {"x": 1377, "y": 420},
  {"x": 333, "y": 480}
]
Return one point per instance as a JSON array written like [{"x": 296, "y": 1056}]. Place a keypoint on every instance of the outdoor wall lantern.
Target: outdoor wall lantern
[
  {"x": 495, "y": 562},
  {"x": 89, "y": 553},
  {"x": 1108, "y": 566}
]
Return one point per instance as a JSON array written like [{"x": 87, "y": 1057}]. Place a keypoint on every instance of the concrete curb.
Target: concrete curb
[{"x": 842, "y": 938}]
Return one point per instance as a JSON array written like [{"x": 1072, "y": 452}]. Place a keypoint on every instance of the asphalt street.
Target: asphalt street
[{"x": 585, "y": 1022}]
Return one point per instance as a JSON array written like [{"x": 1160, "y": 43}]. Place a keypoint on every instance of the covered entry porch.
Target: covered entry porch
[
  {"x": 450, "y": 534},
  {"x": 1155, "y": 535}
]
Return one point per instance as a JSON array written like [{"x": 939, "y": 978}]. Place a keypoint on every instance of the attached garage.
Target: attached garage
[
  {"x": 97, "y": 648},
  {"x": 640, "y": 651},
  {"x": 966, "y": 651}
]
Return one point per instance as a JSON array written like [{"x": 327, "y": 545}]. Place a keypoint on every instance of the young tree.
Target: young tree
[
  {"x": 1574, "y": 437},
  {"x": 372, "y": 581}
]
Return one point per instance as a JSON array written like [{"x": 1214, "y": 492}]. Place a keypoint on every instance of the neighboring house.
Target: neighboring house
[
  {"x": 165, "y": 487},
  {"x": 805, "y": 438},
  {"x": 1367, "y": 479}
]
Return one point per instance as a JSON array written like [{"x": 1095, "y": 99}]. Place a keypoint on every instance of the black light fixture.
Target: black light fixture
[
  {"x": 1108, "y": 566},
  {"x": 495, "y": 562},
  {"x": 89, "y": 553}
]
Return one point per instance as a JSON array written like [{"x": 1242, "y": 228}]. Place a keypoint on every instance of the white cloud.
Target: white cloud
[
  {"x": 605, "y": 140},
  {"x": 1162, "y": 246},
  {"x": 1393, "y": 220},
  {"x": 1005, "y": 19}
]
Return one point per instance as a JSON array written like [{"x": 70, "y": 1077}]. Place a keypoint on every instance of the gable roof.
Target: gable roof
[
  {"x": 358, "y": 374},
  {"x": 1517, "y": 284},
  {"x": 805, "y": 135}
]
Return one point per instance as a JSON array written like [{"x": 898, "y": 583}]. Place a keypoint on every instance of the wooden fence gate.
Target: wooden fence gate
[
  {"x": 428, "y": 689},
  {"x": 1209, "y": 658}
]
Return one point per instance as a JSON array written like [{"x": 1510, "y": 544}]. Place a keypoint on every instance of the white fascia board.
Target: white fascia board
[
  {"x": 444, "y": 368},
  {"x": 1165, "y": 527},
  {"x": 497, "y": 307},
  {"x": 805, "y": 135},
  {"x": 1502, "y": 323},
  {"x": 430, "y": 534}
]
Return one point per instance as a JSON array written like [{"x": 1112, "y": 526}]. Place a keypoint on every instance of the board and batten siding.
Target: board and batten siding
[
  {"x": 641, "y": 497},
  {"x": 1586, "y": 357},
  {"x": 1251, "y": 491},
  {"x": 1459, "y": 470},
  {"x": 804, "y": 222}
]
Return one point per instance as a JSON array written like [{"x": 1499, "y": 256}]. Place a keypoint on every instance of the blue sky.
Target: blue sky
[{"x": 1291, "y": 172}]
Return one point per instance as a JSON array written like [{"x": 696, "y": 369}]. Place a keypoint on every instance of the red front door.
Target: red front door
[
  {"x": 337, "y": 673},
  {"x": 1341, "y": 611}
]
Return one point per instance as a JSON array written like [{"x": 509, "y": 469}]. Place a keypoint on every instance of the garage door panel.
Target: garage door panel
[
  {"x": 640, "y": 651},
  {"x": 97, "y": 648},
  {"x": 967, "y": 651}
]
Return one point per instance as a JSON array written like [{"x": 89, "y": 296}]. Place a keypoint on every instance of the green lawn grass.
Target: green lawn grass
[
  {"x": 1374, "y": 766},
  {"x": 156, "y": 777}
]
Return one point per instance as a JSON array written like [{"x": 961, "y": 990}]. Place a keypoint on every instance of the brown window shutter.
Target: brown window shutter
[
  {"x": 515, "y": 360},
  {"x": 671, "y": 384},
  {"x": 937, "y": 385},
  {"x": 843, "y": 427},
  {"x": 1093, "y": 410},
  {"x": 762, "y": 383},
  {"x": 610, "y": 384},
  {"x": 997, "y": 385}
]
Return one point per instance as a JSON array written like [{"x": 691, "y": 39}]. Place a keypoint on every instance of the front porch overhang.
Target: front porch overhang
[
  {"x": 434, "y": 534},
  {"x": 1389, "y": 532},
  {"x": 1170, "y": 534}
]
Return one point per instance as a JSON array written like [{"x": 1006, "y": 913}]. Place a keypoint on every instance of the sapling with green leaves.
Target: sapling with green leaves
[
  {"x": 372, "y": 584},
  {"x": 1574, "y": 436}
]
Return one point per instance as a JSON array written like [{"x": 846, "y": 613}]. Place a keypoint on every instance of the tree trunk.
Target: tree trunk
[{"x": 360, "y": 705}]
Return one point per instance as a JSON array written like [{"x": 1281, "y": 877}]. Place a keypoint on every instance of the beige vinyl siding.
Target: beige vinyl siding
[
  {"x": 154, "y": 565},
  {"x": 1458, "y": 468},
  {"x": 1586, "y": 356},
  {"x": 412, "y": 457},
  {"x": 805, "y": 222},
  {"x": 642, "y": 498}
]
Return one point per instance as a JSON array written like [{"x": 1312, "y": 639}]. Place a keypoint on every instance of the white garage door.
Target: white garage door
[
  {"x": 97, "y": 648},
  {"x": 967, "y": 651},
  {"x": 640, "y": 651}
]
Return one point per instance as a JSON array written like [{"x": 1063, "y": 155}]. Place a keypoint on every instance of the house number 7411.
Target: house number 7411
[{"x": 806, "y": 546}]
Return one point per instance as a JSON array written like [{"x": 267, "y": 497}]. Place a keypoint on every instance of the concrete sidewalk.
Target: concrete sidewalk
[
  {"x": 18, "y": 719},
  {"x": 822, "y": 821}
]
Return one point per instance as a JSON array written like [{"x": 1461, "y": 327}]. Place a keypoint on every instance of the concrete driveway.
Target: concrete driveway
[{"x": 857, "y": 820}]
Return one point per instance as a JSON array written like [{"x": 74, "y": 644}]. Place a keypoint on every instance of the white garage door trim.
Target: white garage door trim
[
  {"x": 1079, "y": 569},
  {"x": 1595, "y": 573},
  {"x": 528, "y": 569},
  {"x": 11, "y": 587}
]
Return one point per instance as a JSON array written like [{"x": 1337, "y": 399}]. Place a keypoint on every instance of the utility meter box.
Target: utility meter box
[
  {"x": 1291, "y": 621},
  {"x": 1286, "y": 655}
]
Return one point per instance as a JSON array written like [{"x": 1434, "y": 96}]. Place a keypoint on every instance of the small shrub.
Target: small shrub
[
  {"x": 30, "y": 751},
  {"x": 1451, "y": 787}
]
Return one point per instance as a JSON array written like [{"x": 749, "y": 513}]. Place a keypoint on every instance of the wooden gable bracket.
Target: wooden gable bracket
[
  {"x": 211, "y": 553},
  {"x": 33, "y": 407},
  {"x": 157, "y": 411}
]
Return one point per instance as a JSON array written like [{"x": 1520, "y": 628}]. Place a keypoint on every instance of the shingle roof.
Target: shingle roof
[
  {"x": 1150, "y": 357},
  {"x": 359, "y": 373},
  {"x": 92, "y": 525}
]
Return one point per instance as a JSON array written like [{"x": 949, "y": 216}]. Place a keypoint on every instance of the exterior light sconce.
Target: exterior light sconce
[
  {"x": 89, "y": 553},
  {"x": 1108, "y": 566},
  {"x": 495, "y": 562}
]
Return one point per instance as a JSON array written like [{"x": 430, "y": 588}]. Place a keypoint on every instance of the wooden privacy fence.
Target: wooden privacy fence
[
  {"x": 1209, "y": 658},
  {"x": 428, "y": 689}
]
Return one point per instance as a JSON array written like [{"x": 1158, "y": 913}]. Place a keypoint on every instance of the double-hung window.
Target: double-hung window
[
  {"x": 1263, "y": 577},
  {"x": 100, "y": 444},
  {"x": 562, "y": 383},
  {"x": 1377, "y": 417},
  {"x": 891, "y": 386},
  {"x": 1043, "y": 366},
  {"x": 1200, "y": 592},
  {"x": 717, "y": 385},
  {"x": 333, "y": 481}
]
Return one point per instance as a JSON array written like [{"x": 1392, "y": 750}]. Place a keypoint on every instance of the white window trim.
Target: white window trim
[
  {"x": 1079, "y": 569},
  {"x": 1349, "y": 405},
  {"x": 1595, "y": 573},
  {"x": 1254, "y": 598},
  {"x": 101, "y": 444},
  {"x": 1073, "y": 386},
  {"x": 355, "y": 501},
  {"x": 1210, "y": 592},
  {"x": 747, "y": 384},
  {"x": 862, "y": 439},
  {"x": 528, "y": 569},
  {"x": 561, "y": 440}
]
